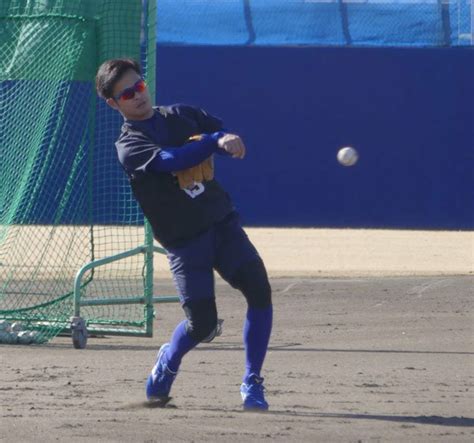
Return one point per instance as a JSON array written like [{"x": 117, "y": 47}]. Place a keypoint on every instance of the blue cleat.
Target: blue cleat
[
  {"x": 252, "y": 394},
  {"x": 159, "y": 382}
]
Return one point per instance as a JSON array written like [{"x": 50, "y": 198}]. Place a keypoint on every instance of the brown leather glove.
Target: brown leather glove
[
  {"x": 202, "y": 172},
  {"x": 207, "y": 167},
  {"x": 185, "y": 178}
]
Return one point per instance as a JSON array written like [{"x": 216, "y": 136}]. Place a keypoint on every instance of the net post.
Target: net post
[
  {"x": 149, "y": 312},
  {"x": 149, "y": 10}
]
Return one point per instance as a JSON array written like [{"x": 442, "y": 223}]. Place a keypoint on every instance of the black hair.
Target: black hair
[{"x": 110, "y": 72}]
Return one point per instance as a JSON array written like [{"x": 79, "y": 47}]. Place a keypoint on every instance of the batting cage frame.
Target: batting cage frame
[{"x": 76, "y": 254}]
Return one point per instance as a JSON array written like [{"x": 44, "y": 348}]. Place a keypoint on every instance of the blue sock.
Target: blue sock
[
  {"x": 180, "y": 344},
  {"x": 257, "y": 330}
]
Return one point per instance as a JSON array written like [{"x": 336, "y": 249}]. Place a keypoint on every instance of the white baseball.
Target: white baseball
[{"x": 347, "y": 156}]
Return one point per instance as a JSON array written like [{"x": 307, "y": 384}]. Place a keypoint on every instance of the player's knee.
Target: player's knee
[
  {"x": 202, "y": 319},
  {"x": 252, "y": 280}
]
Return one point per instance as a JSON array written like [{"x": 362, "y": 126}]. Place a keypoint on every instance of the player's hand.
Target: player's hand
[{"x": 232, "y": 144}]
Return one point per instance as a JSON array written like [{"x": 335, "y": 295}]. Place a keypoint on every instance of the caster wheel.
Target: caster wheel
[{"x": 79, "y": 332}]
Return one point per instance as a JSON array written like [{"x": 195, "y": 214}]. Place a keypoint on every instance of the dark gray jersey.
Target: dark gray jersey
[{"x": 175, "y": 215}]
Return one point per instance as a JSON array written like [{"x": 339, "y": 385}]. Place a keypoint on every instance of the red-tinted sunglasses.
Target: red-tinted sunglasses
[{"x": 129, "y": 93}]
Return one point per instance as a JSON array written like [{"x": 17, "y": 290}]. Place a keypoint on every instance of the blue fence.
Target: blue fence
[
  {"x": 408, "y": 112},
  {"x": 417, "y": 23}
]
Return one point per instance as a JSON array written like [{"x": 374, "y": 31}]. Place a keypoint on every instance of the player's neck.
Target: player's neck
[{"x": 138, "y": 117}]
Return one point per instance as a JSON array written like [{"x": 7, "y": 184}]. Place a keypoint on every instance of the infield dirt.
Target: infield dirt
[{"x": 372, "y": 342}]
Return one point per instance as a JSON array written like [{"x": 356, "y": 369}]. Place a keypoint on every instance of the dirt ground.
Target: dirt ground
[{"x": 380, "y": 351}]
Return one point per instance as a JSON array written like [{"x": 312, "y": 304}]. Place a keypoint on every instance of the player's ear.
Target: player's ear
[{"x": 112, "y": 103}]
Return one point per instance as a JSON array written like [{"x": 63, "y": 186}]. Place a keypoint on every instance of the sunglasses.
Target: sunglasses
[{"x": 129, "y": 93}]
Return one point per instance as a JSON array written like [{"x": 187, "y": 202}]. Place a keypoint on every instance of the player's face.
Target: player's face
[{"x": 131, "y": 97}]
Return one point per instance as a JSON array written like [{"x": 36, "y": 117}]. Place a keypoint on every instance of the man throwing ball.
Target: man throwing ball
[{"x": 166, "y": 152}]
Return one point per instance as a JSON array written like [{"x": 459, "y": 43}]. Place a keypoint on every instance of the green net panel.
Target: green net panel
[{"x": 64, "y": 200}]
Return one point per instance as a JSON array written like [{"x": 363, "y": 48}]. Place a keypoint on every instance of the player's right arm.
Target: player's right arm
[{"x": 233, "y": 145}]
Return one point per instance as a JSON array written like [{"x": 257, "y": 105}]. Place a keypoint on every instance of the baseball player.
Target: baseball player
[{"x": 166, "y": 152}]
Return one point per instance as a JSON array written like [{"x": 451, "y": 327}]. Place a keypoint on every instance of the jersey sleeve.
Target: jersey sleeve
[
  {"x": 207, "y": 123},
  {"x": 135, "y": 152},
  {"x": 191, "y": 154}
]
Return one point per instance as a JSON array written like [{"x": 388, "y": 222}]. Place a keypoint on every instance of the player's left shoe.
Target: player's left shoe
[
  {"x": 252, "y": 392},
  {"x": 158, "y": 385}
]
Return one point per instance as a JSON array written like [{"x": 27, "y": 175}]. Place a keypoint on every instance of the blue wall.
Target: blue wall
[{"x": 409, "y": 112}]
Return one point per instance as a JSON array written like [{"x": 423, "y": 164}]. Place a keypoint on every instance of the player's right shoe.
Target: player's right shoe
[
  {"x": 158, "y": 385},
  {"x": 252, "y": 392}
]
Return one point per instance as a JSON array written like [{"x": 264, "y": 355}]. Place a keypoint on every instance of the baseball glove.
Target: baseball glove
[{"x": 202, "y": 172}]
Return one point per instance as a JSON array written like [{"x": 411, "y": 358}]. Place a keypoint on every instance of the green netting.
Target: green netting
[{"x": 64, "y": 201}]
